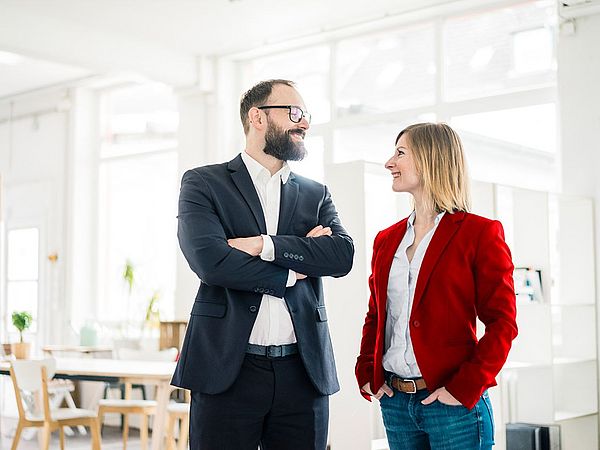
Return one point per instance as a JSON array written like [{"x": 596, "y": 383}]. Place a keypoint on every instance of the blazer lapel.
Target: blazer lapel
[
  {"x": 449, "y": 224},
  {"x": 287, "y": 205},
  {"x": 385, "y": 256},
  {"x": 242, "y": 180}
]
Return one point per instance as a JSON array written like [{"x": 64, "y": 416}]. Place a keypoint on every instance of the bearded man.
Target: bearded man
[{"x": 257, "y": 354}]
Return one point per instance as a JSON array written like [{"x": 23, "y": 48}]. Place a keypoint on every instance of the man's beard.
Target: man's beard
[{"x": 279, "y": 143}]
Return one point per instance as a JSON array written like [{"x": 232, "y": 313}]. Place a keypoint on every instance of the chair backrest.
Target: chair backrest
[
  {"x": 171, "y": 334},
  {"x": 168, "y": 354},
  {"x": 31, "y": 376},
  {"x": 28, "y": 373}
]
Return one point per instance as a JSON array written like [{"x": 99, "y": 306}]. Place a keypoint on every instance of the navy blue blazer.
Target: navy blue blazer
[{"x": 219, "y": 202}]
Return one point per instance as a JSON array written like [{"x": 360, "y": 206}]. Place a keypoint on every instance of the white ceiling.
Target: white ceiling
[
  {"x": 26, "y": 74},
  {"x": 160, "y": 39}
]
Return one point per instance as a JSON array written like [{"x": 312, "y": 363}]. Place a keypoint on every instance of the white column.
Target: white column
[
  {"x": 81, "y": 250},
  {"x": 579, "y": 119}
]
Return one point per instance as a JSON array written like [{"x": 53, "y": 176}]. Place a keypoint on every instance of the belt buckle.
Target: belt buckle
[
  {"x": 274, "y": 351},
  {"x": 414, "y": 391}
]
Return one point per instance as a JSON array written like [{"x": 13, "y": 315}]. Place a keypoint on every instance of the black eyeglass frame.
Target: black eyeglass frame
[{"x": 303, "y": 114}]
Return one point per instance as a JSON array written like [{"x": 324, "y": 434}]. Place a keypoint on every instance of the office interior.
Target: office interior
[{"x": 104, "y": 105}]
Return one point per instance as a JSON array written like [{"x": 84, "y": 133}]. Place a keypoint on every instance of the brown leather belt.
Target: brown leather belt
[{"x": 408, "y": 386}]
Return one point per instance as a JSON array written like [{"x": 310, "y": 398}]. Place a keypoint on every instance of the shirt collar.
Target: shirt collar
[
  {"x": 411, "y": 219},
  {"x": 258, "y": 171}
]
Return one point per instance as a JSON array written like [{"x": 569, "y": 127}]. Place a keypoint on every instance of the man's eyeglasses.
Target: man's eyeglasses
[{"x": 295, "y": 113}]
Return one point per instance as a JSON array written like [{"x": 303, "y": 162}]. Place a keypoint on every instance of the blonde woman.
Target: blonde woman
[{"x": 433, "y": 274}]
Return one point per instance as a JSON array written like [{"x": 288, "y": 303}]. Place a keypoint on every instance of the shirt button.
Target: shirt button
[
  {"x": 253, "y": 309},
  {"x": 416, "y": 323}
]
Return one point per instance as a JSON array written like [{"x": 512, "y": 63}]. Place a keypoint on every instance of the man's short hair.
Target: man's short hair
[{"x": 257, "y": 95}]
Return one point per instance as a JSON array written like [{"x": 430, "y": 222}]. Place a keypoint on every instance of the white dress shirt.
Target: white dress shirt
[
  {"x": 273, "y": 325},
  {"x": 399, "y": 356}
]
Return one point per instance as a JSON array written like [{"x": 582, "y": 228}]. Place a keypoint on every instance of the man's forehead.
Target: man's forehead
[{"x": 284, "y": 94}]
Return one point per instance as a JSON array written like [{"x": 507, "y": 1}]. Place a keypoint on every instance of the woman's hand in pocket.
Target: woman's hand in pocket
[
  {"x": 442, "y": 396},
  {"x": 383, "y": 390}
]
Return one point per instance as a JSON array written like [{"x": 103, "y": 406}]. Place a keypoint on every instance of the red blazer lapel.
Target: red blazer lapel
[
  {"x": 385, "y": 256},
  {"x": 442, "y": 236}
]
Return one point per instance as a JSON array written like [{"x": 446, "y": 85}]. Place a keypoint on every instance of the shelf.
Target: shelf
[
  {"x": 568, "y": 415},
  {"x": 564, "y": 361},
  {"x": 573, "y": 305},
  {"x": 515, "y": 365},
  {"x": 536, "y": 304}
]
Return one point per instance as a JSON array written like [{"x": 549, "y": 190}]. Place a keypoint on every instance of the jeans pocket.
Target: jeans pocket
[{"x": 488, "y": 405}]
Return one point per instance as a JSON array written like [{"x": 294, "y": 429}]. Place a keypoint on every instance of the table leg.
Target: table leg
[{"x": 158, "y": 425}]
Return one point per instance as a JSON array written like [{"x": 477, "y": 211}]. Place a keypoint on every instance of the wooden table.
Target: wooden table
[
  {"x": 158, "y": 373},
  {"x": 58, "y": 350}
]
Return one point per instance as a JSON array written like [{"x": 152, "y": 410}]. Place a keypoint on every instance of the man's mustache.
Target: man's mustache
[{"x": 299, "y": 131}]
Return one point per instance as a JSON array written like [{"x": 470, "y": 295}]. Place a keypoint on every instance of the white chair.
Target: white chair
[
  {"x": 128, "y": 406},
  {"x": 30, "y": 380},
  {"x": 178, "y": 413},
  {"x": 59, "y": 391}
]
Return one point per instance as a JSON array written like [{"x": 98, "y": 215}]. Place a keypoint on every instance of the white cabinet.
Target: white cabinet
[{"x": 551, "y": 372}]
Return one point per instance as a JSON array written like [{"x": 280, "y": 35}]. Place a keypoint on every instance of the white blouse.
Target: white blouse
[{"x": 399, "y": 356}]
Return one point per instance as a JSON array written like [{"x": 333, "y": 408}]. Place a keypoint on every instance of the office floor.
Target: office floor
[{"x": 111, "y": 440}]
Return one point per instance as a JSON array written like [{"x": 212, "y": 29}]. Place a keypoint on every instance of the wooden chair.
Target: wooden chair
[
  {"x": 171, "y": 334},
  {"x": 127, "y": 406},
  {"x": 32, "y": 377},
  {"x": 178, "y": 412}
]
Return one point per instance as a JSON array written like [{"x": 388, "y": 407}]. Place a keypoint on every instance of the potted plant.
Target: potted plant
[{"x": 22, "y": 321}]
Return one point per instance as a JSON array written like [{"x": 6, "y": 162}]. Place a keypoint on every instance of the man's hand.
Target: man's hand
[
  {"x": 383, "y": 390},
  {"x": 251, "y": 245},
  {"x": 319, "y": 230},
  {"x": 442, "y": 396}
]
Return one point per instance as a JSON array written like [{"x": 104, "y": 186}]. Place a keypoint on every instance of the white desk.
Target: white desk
[{"x": 158, "y": 373}]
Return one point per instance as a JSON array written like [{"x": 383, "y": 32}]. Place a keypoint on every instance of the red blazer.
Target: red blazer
[{"x": 466, "y": 273}]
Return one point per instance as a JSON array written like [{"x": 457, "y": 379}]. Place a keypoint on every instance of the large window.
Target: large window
[
  {"x": 499, "y": 51},
  {"x": 386, "y": 72},
  {"x": 491, "y": 74},
  {"x": 137, "y": 204},
  {"x": 22, "y": 268}
]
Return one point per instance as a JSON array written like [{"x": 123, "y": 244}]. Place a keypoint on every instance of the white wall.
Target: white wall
[{"x": 33, "y": 149}]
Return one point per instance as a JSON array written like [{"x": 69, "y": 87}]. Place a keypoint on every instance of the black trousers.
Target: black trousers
[{"x": 272, "y": 404}]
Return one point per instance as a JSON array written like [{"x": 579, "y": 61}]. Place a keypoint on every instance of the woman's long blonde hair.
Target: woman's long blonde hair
[{"x": 439, "y": 159}]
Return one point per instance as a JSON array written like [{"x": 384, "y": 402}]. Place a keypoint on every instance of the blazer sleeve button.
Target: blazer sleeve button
[
  {"x": 286, "y": 254},
  {"x": 253, "y": 309},
  {"x": 416, "y": 323},
  {"x": 301, "y": 258}
]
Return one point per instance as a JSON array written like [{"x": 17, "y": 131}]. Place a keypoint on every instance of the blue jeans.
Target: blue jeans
[{"x": 411, "y": 425}]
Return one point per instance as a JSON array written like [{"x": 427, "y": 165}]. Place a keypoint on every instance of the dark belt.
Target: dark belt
[
  {"x": 408, "y": 386},
  {"x": 272, "y": 351}
]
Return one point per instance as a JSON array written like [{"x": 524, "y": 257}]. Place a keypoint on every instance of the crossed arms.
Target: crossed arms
[{"x": 326, "y": 251}]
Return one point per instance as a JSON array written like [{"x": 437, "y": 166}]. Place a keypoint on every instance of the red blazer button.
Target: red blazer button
[{"x": 416, "y": 323}]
